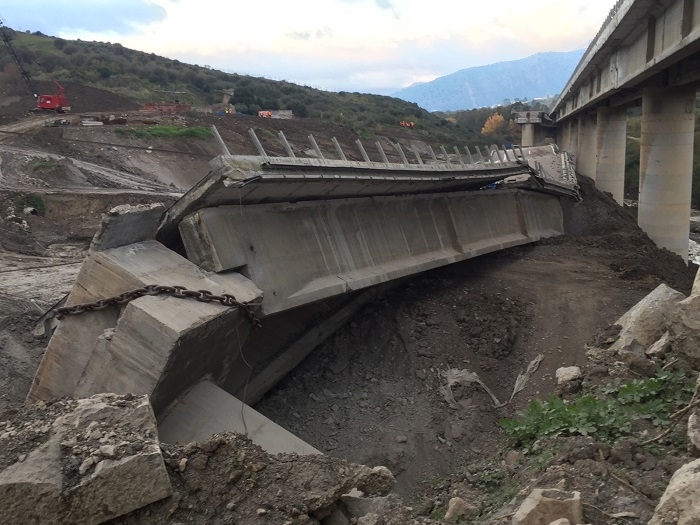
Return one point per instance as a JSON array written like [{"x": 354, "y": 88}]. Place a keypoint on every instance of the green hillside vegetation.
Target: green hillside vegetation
[{"x": 138, "y": 76}]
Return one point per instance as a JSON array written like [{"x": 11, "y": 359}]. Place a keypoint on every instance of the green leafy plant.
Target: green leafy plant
[{"x": 607, "y": 413}]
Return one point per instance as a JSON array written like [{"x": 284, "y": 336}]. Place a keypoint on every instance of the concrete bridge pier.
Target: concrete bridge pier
[
  {"x": 528, "y": 135},
  {"x": 586, "y": 154},
  {"x": 611, "y": 145},
  {"x": 666, "y": 165}
]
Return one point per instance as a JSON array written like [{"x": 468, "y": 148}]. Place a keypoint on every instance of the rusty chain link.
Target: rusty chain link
[{"x": 179, "y": 292}]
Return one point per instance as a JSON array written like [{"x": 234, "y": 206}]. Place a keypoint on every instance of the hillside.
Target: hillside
[
  {"x": 142, "y": 77},
  {"x": 540, "y": 75}
]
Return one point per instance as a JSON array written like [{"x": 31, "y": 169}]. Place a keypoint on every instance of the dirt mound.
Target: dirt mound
[{"x": 228, "y": 480}]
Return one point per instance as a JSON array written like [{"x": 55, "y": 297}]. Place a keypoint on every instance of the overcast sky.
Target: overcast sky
[{"x": 373, "y": 46}]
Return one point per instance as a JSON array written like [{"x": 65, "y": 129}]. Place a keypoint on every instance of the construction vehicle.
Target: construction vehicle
[{"x": 56, "y": 102}]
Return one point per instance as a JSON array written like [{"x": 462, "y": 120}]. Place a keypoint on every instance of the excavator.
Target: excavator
[{"x": 57, "y": 102}]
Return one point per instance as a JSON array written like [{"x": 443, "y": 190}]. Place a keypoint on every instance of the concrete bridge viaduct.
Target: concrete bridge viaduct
[{"x": 647, "y": 52}]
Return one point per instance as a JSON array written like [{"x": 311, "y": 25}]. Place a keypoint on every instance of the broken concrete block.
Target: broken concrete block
[
  {"x": 661, "y": 347},
  {"x": 154, "y": 338},
  {"x": 548, "y": 505},
  {"x": 458, "y": 509},
  {"x": 101, "y": 459},
  {"x": 684, "y": 329},
  {"x": 696, "y": 285},
  {"x": 646, "y": 321},
  {"x": 206, "y": 410},
  {"x": 127, "y": 224},
  {"x": 680, "y": 504},
  {"x": 31, "y": 489},
  {"x": 567, "y": 374}
]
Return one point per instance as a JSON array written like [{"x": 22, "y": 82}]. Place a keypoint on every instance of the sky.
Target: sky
[{"x": 372, "y": 46}]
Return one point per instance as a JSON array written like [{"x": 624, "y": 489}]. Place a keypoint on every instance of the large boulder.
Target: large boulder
[
  {"x": 81, "y": 461},
  {"x": 680, "y": 504},
  {"x": 646, "y": 321},
  {"x": 684, "y": 329}
]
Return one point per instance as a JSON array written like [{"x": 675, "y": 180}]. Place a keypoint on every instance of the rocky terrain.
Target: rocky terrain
[{"x": 395, "y": 389}]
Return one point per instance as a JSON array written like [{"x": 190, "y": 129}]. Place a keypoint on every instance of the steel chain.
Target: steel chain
[{"x": 179, "y": 292}]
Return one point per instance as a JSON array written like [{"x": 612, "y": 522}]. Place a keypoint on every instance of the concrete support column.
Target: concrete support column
[
  {"x": 666, "y": 166},
  {"x": 611, "y": 145},
  {"x": 586, "y": 155},
  {"x": 528, "y": 135},
  {"x": 571, "y": 136}
]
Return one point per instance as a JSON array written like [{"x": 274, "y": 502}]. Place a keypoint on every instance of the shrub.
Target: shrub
[
  {"x": 607, "y": 413},
  {"x": 31, "y": 201}
]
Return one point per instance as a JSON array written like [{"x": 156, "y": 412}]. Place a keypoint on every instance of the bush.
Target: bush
[
  {"x": 31, "y": 201},
  {"x": 608, "y": 413}
]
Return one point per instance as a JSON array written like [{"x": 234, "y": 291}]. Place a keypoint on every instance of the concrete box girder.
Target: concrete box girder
[{"x": 303, "y": 252}]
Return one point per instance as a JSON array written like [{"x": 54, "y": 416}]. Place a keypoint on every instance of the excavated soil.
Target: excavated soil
[{"x": 375, "y": 392}]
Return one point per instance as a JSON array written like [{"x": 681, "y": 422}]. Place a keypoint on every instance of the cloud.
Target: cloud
[
  {"x": 324, "y": 32},
  {"x": 68, "y": 16}
]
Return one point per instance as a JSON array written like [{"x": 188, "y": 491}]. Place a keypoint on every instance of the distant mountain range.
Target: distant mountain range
[{"x": 536, "y": 76}]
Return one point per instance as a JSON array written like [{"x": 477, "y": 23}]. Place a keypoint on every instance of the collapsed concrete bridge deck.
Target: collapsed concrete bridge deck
[{"x": 277, "y": 234}]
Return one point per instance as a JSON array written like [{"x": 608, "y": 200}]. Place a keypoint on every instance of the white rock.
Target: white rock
[
  {"x": 562, "y": 521},
  {"x": 694, "y": 429},
  {"x": 35, "y": 489},
  {"x": 457, "y": 508},
  {"x": 661, "y": 347},
  {"x": 685, "y": 329},
  {"x": 566, "y": 374},
  {"x": 647, "y": 320},
  {"x": 680, "y": 504},
  {"x": 548, "y": 505}
]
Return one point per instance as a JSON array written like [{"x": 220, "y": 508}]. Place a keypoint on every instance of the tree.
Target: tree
[{"x": 494, "y": 124}]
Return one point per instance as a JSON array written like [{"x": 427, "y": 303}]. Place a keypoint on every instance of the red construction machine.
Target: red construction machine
[{"x": 56, "y": 102}]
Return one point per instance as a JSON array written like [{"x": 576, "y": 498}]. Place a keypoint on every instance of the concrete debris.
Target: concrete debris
[
  {"x": 458, "y": 509},
  {"x": 680, "y": 504},
  {"x": 684, "y": 329},
  {"x": 646, "y": 322},
  {"x": 127, "y": 224},
  {"x": 548, "y": 505},
  {"x": 566, "y": 374},
  {"x": 66, "y": 476},
  {"x": 661, "y": 347}
]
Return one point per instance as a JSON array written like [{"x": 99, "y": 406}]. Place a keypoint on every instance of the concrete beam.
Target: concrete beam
[
  {"x": 154, "y": 345},
  {"x": 666, "y": 166},
  {"x": 304, "y": 252},
  {"x": 206, "y": 410},
  {"x": 611, "y": 146}
]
